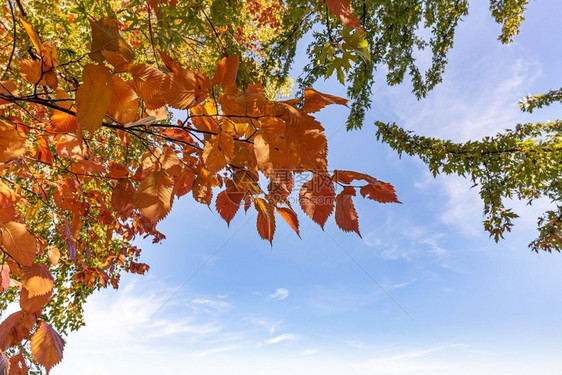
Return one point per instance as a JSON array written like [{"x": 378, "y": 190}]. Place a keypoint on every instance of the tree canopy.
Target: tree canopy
[{"x": 112, "y": 110}]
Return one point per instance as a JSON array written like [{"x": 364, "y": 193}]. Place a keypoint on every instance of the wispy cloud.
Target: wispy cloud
[
  {"x": 307, "y": 352},
  {"x": 279, "y": 294},
  {"x": 209, "y": 305},
  {"x": 283, "y": 338},
  {"x": 410, "y": 243}
]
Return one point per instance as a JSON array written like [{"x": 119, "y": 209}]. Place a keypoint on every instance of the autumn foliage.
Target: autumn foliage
[{"x": 88, "y": 163}]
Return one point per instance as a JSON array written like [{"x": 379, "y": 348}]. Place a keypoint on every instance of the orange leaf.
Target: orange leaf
[
  {"x": 93, "y": 96},
  {"x": 122, "y": 197},
  {"x": 225, "y": 74},
  {"x": 117, "y": 170},
  {"x": 54, "y": 255},
  {"x": 61, "y": 121},
  {"x": 124, "y": 104},
  {"x": 18, "y": 365},
  {"x": 280, "y": 185},
  {"x": 376, "y": 190},
  {"x": 105, "y": 36},
  {"x": 43, "y": 151},
  {"x": 37, "y": 279},
  {"x": 170, "y": 63},
  {"x": 120, "y": 65},
  {"x": 15, "y": 328},
  {"x": 270, "y": 144},
  {"x": 154, "y": 5},
  {"x": 218, "y": 151},
  {"x": 154, "y": 196},
  {"x": 12, "y": 144},
  {"x": 381, "y": 192},
  {"x": 202, "y": 186},
  {"x": 30, "y": 70},
  {"x": 185, "y": 89},
  {"x": 228, "y": 203},
  {"x": 343, "y": 10},
  {"x": 71, "y": 146},
  {"x": 346, "y": 216},
  {"x": 315, "y": 101},
  {"x": 149, "y": 84},
  {"x": 307, "y": 146},
  {"x": 33, "y": 304},
  {"x": 158, "y": 113},
  {"x": 32, "y": 35},
  {"x": 317, "y": 198},
  {"x": 170, "y": 162},
  {"x": 184, "y": 182},
  {"x": 266, "y": 219},
  {"x": 7, "y": 88},
  {"x": 4, "y": 277},
  {"x": 8, "y": 197},
  {"x": 290, "y": 217},
  {"x": 202, "y": 119},
  {"x": 47, "y": 346},
  {"x": 18, "y": 242},
  {"x": 7, "y": 213}
]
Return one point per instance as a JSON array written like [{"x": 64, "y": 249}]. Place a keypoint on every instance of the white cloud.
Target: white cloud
[
  {"x": 282, "y": 338},
  {"x": 208, "y": 352},
  {"x": 410, "y": 244},
  {"x": 461, "y": 110},
  {"x": 307, "y": 352},
  {"x": 279, "y": 294},
  {"x": 209, "y": 305}
]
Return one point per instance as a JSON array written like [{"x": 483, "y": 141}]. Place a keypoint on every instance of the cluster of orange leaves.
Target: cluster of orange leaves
[{"x": 229, "y": 138}]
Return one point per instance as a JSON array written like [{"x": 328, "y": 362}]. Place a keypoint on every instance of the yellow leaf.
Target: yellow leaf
[
  {"x": 47, "y": 346},
  {"x": 93, "y": 96}
]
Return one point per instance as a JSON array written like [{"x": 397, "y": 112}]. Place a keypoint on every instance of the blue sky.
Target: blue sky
[{"x": 425, "y": 291}]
